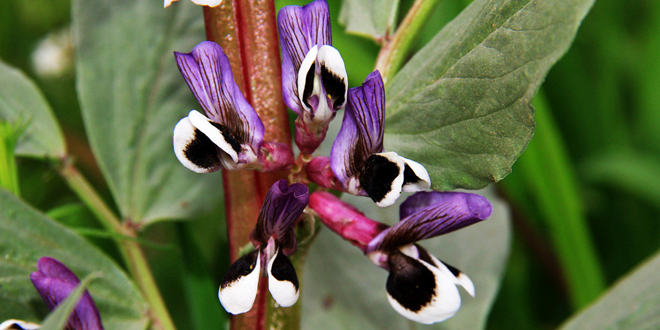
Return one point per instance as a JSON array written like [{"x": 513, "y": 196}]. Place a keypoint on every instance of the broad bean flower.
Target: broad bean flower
[
  {"x": 419, "y": 286},
  {"x": 229, "y": 134},
  {"x": 274, "y": 239},
  {"x": 357, "y": 159},
  {"x": 314, "y": 79},
  {"x": 54, "y": 282}
]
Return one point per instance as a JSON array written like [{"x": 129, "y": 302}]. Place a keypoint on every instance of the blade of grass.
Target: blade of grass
[{"x": 551, "y": 184}]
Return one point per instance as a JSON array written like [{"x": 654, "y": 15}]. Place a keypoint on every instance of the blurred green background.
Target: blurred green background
[{"x": 595, "y": 160}]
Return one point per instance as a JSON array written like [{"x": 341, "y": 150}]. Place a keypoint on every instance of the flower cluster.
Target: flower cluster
[{"x": 230, "y": 135}]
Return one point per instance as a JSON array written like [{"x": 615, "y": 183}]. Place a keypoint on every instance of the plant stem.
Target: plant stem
[
  {"x": 247, "y": 32},
  {"x": 130, "y": 249},
  {"x": 395, "y": 52},
  {"x": 8, "y": 174}
]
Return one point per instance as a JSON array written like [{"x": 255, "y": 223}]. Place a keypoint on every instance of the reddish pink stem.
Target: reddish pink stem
[{"x": 246, "y": 30}]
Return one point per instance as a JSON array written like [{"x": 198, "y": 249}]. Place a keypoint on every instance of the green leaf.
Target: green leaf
[
  {"x": 634, "y": 172},
  {"x": 21, "y": 102},
  {"x": 132, "y": 95},
  {"x": 57, "y": 320},
  {"x": 342, "y": 289},
  {"x": 26, "y": 235},
  {"x": 371, "y": 18},
  {"x": 461, "y": 105},
  {"x": 633, "y": 303}
]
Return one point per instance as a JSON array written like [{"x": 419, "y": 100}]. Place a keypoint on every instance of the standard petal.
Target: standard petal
[
  {"x": 282, "y": 206},
  {"x": 420, "y": 291},
  {"x": 448, "y": 212},
  {"x": 54, "y": 282},
  {"x": 239, "y": 287},
  {"x": 207, "y": 72},
  {"x": 18, "y": 325},
  {"x": 361, "y": 133},
  {"x": 282, "y": 280},
  {"x": 300, "y": 29},
  {"x": 194, "y": 149}
]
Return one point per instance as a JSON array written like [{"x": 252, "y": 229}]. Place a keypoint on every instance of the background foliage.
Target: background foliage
[{"x": 594, "y": 167}]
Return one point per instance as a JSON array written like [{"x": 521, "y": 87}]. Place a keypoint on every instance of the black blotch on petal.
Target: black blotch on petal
[
  {"x": 201, "y": 151},
  {"x": 377, "y": 176},
  {"x": 309, "y": 85},
  {"x": 228, "y": 136},
  {"x": 409, "y": 176},
  {"x": 410, "y": 283},
  {"x": 334, "y": 85},
  {"x": 283, "y": 270},
  {"x": 241, "y": 267},
  {"x": 425, "y": 255},
  {"x": 452, "y": 269},
  {"x": 15, "y": 326}
]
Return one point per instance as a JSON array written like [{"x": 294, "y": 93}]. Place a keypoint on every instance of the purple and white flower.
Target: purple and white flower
[
  {"x": 54, "y": 282},
  {"x": 229, "y": 134},
  {"x": 314, "y": 79},
  {"x": 420, "y": 287},
  {"x": 274, "y": 239},
  {"x": 357, "y": 157}
]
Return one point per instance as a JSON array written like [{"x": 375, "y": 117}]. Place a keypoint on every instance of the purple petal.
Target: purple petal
[
  {"x": 300, "y": 29},
  {"x": 207, "y": 72},
  {"x": 429, "y": 214},
  {"x": 55, "y": 282},
  {"x": 361, "y": 133},
  {"x": 282, "y": 207}
]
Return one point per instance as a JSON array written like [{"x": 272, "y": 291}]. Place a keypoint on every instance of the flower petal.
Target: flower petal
[
  {"x": 207, "y": 72},
  {"x": 382, "y": 178},
  {"x": 448, "y": 212},
  {"x": 194, "y": 149},
  {"x": 459, "y": 277},
  {"x": 420, "y": 291},
  {"x": 239, "y": 287},
  {"x": 300, "y": 29},
  {"x": 466, "y": 203},
  {"x": 167, "y": 3},
  {"x": 18, "y": 325},
  {"x": 361, "y": 133},
  {"x": 210, "y": 3},
  {"x": 282, "y": 207},
  {"x": 333, "y": 77},
  {"x": 282, "y": 280},
  {"x": 54, "y": 282},
  {"x": 415, "y": 176}
]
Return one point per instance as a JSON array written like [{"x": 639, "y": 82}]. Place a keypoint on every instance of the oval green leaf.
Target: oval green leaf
[
  {"x": 132, "y": 95},
  {"x": 21, "y": 102},
  {"x": 374, "y": 19},
  {"x": 633, "y": 303},
  {"x": 27, "y": 235},
  {"x": 461, "y": 105}
]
